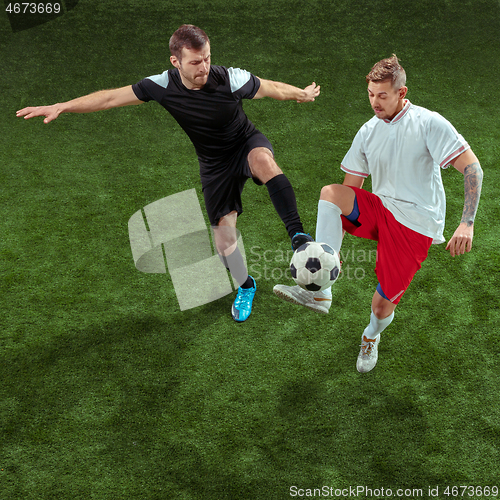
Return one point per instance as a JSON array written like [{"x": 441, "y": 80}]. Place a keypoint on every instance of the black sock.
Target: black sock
[
  {"x": 236, "y": 266},
  {"x": 248, "y": 283},
  {"x": 283, "y": 198}
]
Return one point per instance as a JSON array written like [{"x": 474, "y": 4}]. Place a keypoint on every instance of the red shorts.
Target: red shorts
[{"x": 400, "y": 250}]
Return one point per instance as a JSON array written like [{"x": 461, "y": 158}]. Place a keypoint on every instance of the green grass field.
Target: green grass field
[{"x": 108, "y": 391}]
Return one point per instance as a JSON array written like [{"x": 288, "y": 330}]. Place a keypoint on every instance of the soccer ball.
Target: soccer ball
[{"x": 315, "y": 266}]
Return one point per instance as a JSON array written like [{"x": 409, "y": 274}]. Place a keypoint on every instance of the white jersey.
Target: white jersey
[{"x": 404, "y": 157}]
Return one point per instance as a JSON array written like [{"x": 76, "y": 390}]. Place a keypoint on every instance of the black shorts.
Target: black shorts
[{"x": 223, "y": 183}]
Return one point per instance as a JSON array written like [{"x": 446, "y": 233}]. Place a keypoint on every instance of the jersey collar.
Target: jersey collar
[{"x": 400, "y": 115}]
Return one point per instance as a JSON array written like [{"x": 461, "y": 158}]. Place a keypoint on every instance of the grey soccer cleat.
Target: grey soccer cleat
[{"x": 315, "y": 301}]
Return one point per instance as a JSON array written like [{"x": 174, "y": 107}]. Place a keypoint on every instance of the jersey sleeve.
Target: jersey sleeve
[
  {"x": 355, "y": 162},
  {"x": 443, "y": 141},
  {"x": 151, "y": 88},
  {"x": 244, "y": 85}
]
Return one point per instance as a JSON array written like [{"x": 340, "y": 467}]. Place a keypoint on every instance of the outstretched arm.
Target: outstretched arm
[
  {"x": 104, "y": 99},
  {"x": 285, "y": 92},
  {"x": 468, "y": 164}
]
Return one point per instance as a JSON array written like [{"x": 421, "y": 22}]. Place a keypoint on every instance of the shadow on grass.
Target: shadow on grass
[{"x": 128, "y": 409}]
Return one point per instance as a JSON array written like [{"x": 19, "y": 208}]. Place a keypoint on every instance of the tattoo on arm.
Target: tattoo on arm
[{"x": 473, "y": 180}]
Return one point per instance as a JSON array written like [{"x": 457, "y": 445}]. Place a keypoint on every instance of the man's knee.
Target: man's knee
[
  {"x": 382, "y": 308},
  {"x": 260, "y": 158},
  {"x": 340, "y": 195},
  {"x": 330, "y": 193},
  {"x": 262, "y": 164}
]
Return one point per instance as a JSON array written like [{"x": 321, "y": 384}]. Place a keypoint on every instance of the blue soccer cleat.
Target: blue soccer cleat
[
  {"x": 242, "y": 305},
  {"x": 300, "y": 239}
]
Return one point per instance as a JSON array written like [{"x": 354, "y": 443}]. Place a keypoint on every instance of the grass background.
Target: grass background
[{"x": 109, "y": 391}]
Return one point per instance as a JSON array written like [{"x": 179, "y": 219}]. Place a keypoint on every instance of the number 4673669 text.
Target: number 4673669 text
[{"x": 33, "y": 8}]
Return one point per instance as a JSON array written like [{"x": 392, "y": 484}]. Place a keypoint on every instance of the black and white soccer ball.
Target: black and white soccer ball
[{"x": 315, "y": 266}]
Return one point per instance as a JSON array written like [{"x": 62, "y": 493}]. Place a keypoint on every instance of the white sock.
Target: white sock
[
  {"x": 329, "y": 225},
  {"x": 377, "y": 326},
  {"x": 329, "y": 229}
]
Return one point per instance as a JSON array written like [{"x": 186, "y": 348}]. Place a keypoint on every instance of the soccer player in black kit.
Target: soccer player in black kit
[{"x": 206, "y": 102}]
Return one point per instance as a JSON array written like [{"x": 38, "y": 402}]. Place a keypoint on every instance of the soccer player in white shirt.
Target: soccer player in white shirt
[{"x": 403, "y": 147}]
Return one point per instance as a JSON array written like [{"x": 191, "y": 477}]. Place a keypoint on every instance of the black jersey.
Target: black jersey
[{"x": 213, "y": 116}]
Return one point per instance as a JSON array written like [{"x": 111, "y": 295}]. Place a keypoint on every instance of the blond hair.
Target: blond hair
[{"x": 388, "y": 69}]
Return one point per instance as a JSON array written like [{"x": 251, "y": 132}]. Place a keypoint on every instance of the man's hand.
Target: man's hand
[
  {"x": 461, "y": 241},
  {"x": 311, "y": 92},
  {"x": 284, "y": 92},
  {"x": 98, "y": 101},
  {"x": 50, "y": 112}
]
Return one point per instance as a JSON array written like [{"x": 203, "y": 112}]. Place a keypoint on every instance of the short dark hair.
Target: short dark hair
[
  {"x": 388, "y": 69},
  {"x": 188, "y": 36}
]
